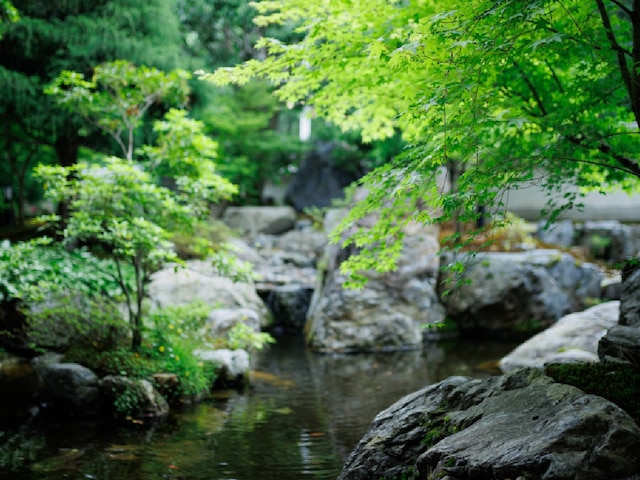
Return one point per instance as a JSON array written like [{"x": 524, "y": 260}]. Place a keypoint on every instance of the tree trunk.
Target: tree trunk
[
  {"x": 67, "y": 152},
  {"x": 136, "y": 326},
  {"x": 136, "y": 332}
]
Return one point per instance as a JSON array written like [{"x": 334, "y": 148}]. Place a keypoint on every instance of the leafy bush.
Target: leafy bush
[
  {"x": 175, "y": 332},
  {"x": 18, "y": 449},
  {"x": 66, "y": 296},
  {"x": 28, "y": 270},
  {"x": 242, "y": 336},
  {"x": 93, "y": 322},
  {"x": 171, "y": 336}
]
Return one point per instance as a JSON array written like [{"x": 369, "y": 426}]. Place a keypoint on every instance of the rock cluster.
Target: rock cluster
[{"x": 519, "y": 425}]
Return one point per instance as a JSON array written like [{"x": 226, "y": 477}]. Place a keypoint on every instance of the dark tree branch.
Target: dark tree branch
[
  {"x": 635, "y": 83},
  {"x": 628, "y": 76},
  {"x": 554, "y": 76},
  {"x": 622, "y": 7},
  {"x": 533, "y": 90},
  {"x": 628, "y": 165}
]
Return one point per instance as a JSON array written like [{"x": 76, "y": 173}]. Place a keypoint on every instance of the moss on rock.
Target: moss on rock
[{"x": 617, "y": 382}]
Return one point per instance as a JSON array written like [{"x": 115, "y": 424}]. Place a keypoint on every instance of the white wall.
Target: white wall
[{"x": 528, "y": 203}]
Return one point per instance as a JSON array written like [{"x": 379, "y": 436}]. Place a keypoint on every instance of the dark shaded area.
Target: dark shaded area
[
  {"x": 12, "y": 325},
  {"x": 321, "y": 178}
]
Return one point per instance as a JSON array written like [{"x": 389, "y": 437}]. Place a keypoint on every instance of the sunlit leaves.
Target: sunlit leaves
[
  {"x": 125, "y": 208},
  {"x": 118, "y": 95},
  {"x": 504, "y": 94}
]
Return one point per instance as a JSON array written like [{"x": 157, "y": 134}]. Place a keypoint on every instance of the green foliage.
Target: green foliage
[
  {"x": 30, "y": 270},
  {"x": 121, "y": 207},
  {"x": 172, "y": 335},
  {"x": 227, "y": 264},
  {"x": 18, "y": 156},
  {"x": 501, "y": 95},
  {"x": 618, "y": 383},
  {"x": 258, "y": 137},
  {"x": 184, "y": 153},
  {"x": 70, "y": 317},
  {"x": 178, "y": 322},
  {"x": 18, "y": 449},
  {"x": 117, "y": 205},
  {"x": 222, "y": 32},
  {"x": 54, "y": 36},
  {"x": 118, "y": 96},
  {"x": 69, "y": 298},
  {"x": 241, "y": 336},
  {"x": 116, "y": 361},
  {"x": 8, "y": 12},
  {"x": 257, "y": 133},
  {"x": 128, "y": 402},
  {"x": 438, "y": 426}
]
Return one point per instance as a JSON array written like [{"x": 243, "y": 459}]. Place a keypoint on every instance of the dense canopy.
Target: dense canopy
[{"x": 502, "y": 93}]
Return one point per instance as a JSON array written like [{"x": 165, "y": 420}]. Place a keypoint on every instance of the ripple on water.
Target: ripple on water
[{"x": 302, "y": 416}]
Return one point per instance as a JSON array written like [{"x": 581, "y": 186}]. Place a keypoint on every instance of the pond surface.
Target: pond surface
[{"x": 302, "y": 416}]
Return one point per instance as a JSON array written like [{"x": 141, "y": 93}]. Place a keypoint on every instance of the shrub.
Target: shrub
[
  {"x": 65, "y": 297},
  {"x": 241, "y": 336}
]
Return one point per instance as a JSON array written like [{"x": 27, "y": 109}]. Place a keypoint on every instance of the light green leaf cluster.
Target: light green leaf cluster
[
  {"x": 499, "y": 94},
  {"x": 118, "y": 95},
  {"x": 33, "y": 271},
  {"x": 128, "y": 208},
  {"x": 115, "y": 203},
  {"x": 184, "y": 153}
]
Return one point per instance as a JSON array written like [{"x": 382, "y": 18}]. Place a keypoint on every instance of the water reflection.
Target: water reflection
[{"x": 301, "y": 418}]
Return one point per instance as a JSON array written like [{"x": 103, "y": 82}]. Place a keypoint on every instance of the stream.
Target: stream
[{"x": 301, "y": 417}]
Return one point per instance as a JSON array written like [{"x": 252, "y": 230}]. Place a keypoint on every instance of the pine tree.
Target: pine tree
[{"x": 56, "y": 35}]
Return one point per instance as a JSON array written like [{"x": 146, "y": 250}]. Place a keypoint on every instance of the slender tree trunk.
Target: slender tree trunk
[
  {"x": 453, "y": 169},
  {"x": 136, "y": 340},
  {"x": 66, "y": 148},
  {"x": 21, "y": 201}
]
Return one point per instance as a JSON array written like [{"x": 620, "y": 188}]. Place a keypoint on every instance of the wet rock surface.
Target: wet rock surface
[{"x": 522, "y": 424}]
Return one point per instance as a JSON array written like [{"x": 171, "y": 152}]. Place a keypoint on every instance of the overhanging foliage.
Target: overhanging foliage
[{"x": 502, "y": 94}]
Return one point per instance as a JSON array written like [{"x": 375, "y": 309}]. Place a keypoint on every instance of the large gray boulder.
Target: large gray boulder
[
  {"x": 134, "y": 397},
  {"x": 609, "y": 239},
  {"x": 573, "y": 338},
  {"x": 68, "y": 387},
  {"x": 254, "y": 220},
  {"x": 320, "y": 178},
  {"x": 305, "y": 241},
  {"x": 520, "y": 425},
  {"x": 389, "y": 312},
  {"x": 622, "y": 341},
  {"x": 630, "y": 296},
  {"x": 518, "y": 292},
  {"x": 198, "y": 282},
  {"x": 231, "y": 366}
]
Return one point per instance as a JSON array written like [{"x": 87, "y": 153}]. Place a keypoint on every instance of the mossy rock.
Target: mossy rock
[{"x": 617, "y": 382}]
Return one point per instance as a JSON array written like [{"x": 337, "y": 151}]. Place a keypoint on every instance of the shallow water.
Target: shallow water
[{"x": 302, "y": 416}]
